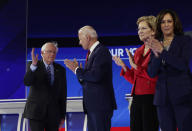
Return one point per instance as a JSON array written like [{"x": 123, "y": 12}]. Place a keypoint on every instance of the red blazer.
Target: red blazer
[{"x": 142, "y": 83}]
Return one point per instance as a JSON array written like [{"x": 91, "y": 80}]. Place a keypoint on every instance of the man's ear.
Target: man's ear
[{"x": 88, "y": 37}]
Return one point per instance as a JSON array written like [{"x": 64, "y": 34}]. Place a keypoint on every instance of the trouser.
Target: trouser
[
  {"x": 49, "y": 123},
  {"x": 178, "y": 116},
  {"x": 99, "y": 120}
]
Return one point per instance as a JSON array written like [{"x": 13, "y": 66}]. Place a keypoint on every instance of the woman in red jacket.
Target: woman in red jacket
[{"x": 143, "y": 115}]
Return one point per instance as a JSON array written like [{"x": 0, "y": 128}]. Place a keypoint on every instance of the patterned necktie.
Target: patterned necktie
[
  {"x": 49, "y": 73},
  {"x": 87, "y": 56}
]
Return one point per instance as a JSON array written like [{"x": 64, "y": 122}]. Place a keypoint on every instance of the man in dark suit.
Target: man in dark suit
[
  {"x": 46, "y": 103},
  {"x": 96, "y": 80}
]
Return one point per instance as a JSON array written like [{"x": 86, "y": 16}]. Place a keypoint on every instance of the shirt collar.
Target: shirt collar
[
  {"x": 93, "y": 46},
  {"x": 51, "y": 65}
]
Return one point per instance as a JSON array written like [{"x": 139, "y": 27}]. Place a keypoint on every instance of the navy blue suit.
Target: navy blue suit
[
  {"x": 173, "y": 96},
  {"x": 98, "y": 93}
]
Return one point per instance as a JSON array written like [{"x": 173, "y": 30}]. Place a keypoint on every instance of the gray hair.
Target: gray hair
[
  {"x": 54, "y": 43},
  {"x": 88, "y": 30},
  {"x": 150, "y": 20}
]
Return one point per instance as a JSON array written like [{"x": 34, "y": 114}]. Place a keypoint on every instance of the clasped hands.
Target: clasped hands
[
  {"x": 72, "y": 64},
  {"x": 155, "y": 45}
]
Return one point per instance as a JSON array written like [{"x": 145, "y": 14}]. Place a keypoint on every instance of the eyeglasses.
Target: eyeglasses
[{"x": 50, "y": 51}]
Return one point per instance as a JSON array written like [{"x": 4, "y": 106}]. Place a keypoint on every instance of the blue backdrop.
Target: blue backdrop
[
  {"x": 12, "y": 48},
  {"x": 121, "y": 86}
]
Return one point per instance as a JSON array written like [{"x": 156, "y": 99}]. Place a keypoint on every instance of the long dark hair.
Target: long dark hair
[{"x": 178, "y": 29}]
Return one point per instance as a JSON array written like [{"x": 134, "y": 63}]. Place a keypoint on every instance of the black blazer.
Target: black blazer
[
  {"x": 96, "y": 79},
  {"x": 172, "y": 68},
  {"x": 42, "y": 95}
]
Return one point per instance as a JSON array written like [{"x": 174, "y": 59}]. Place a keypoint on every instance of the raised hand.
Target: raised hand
[
  {"x": 119, "y": 62},
  {"x": 72, "y": 65},
  {"x": 131, "y": 59},
  {"x": 34, "y": 57}
]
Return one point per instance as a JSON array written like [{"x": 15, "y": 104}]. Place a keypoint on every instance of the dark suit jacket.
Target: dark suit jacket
[
  {"x": 42, "y": 95},
  {"x": 172, "y": 67},
  {"x": 96, "y": 79}
]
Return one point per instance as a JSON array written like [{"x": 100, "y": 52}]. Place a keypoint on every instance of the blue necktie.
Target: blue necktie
[{"x": 49, "y": 73}]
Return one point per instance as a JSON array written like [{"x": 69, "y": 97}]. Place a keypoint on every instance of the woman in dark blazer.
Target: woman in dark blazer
[
  {"x": 143, "y": 115},
  {"x": 170, "y": 59}
]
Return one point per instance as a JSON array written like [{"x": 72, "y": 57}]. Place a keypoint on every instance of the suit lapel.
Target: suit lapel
[
  {"x": 139, "y": 55},
  {"x": 42, "y": 67},
  {"x": 92, "y": 56},
  {"x": 173, "y": 44},
  {"x": 56, "y": 73}
]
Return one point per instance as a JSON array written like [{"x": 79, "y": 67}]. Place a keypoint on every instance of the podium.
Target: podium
[
  {"x": 129, "y": 98},
  {"x": 11, "y": 115},
  {"x": 75, "y": 120},
  {"x": 11, "y": 112}
]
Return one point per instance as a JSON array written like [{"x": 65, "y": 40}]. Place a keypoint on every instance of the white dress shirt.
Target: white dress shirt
[{"x": 91, "y": 50}]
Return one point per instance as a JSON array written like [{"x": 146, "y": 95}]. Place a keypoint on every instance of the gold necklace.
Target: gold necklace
[{"x": 167, "y": 42}]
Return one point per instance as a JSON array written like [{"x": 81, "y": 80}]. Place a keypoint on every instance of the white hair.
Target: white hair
[
  {"x": 88, "y": 30},
  {"x": 54, "y": 43}
]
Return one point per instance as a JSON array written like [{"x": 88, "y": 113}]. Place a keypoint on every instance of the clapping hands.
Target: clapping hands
[
  {"x": 72, "y": 65},
  {"x": 120, "y": 62},
  {"x": 155, "y": 46},
  {"x": 131, "y": 59}
]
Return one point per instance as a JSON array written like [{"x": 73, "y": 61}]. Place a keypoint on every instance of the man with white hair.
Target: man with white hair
[
  {"x": 96, "y": 80},
  {"x": 46, "y": 103}
]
